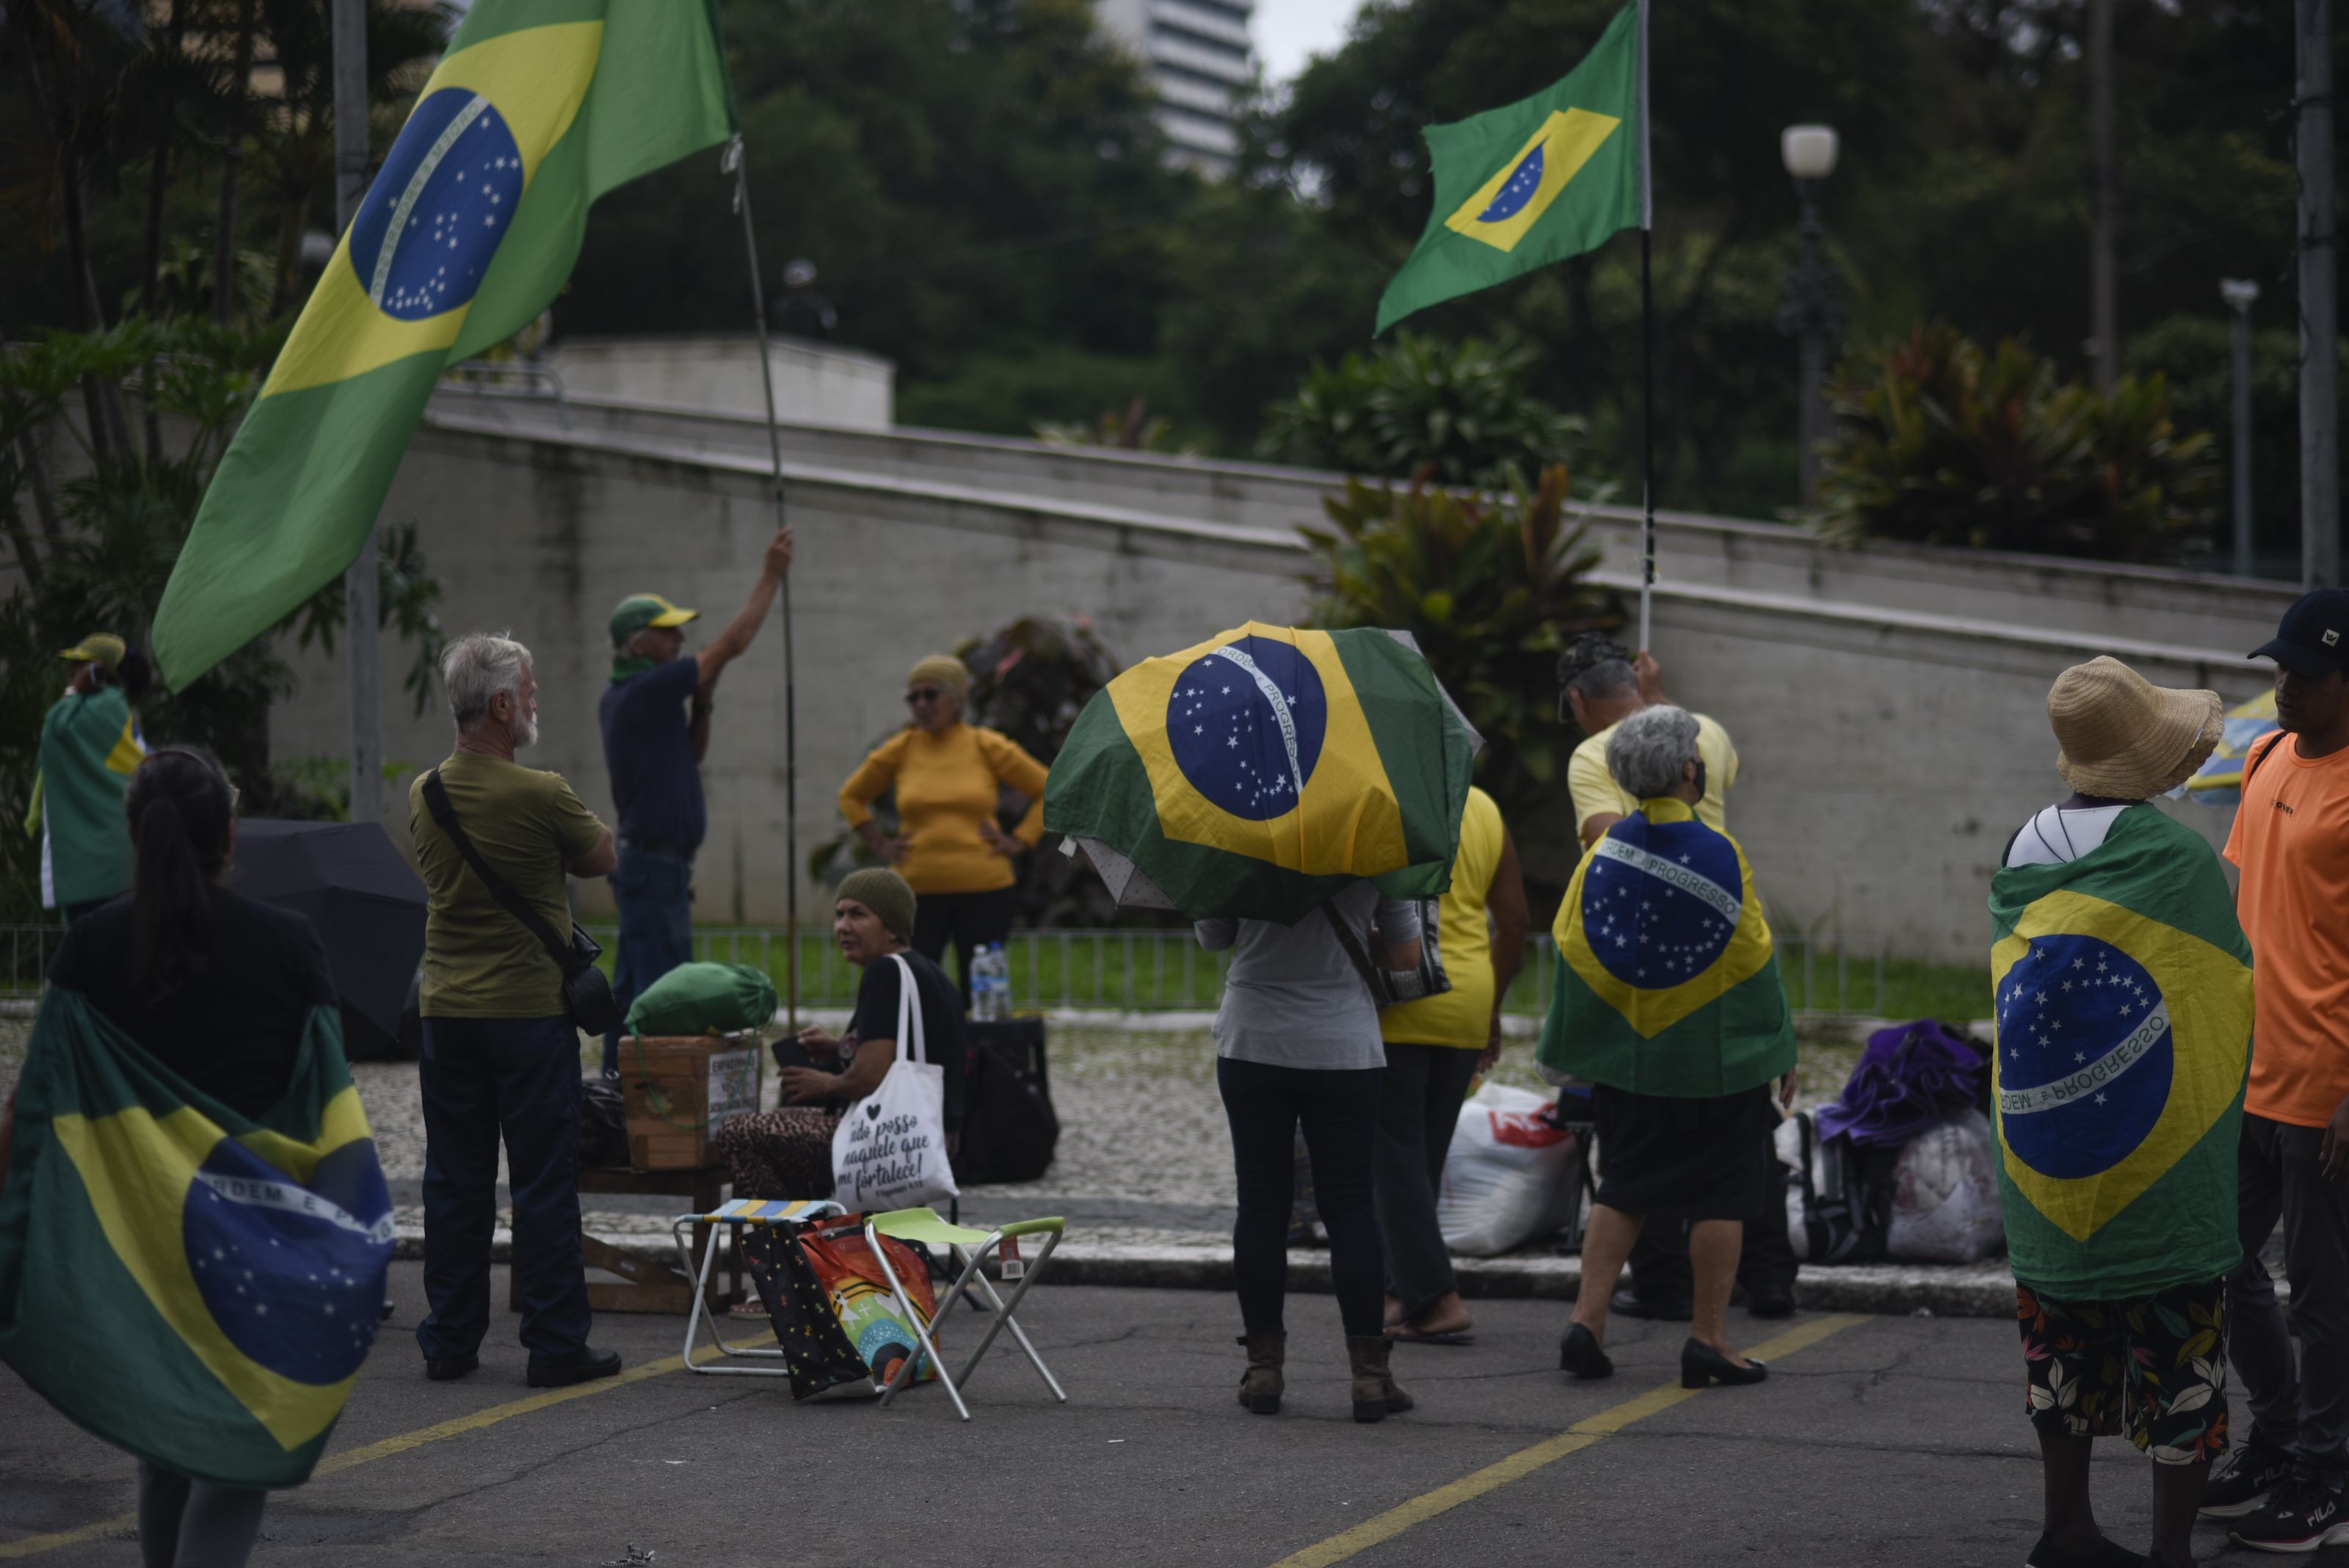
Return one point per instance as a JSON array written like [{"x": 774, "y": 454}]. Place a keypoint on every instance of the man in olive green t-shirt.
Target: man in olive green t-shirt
[{"x": 500, "y": 1055}]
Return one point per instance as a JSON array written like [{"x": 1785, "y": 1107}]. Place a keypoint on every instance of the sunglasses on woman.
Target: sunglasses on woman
[{"x": 923, "y": 694}]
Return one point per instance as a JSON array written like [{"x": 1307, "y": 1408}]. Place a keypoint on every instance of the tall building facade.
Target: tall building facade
[{"x": 1199, "y": 60}]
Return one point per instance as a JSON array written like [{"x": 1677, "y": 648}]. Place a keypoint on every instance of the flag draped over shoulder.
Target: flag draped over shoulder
[
  {"x": 2123, "y": 995},
  {"x": 1536, "y": 181},
  {"x": 189, "y": 1284},
  {"x": 472, "y": 226},
  {"x": 1259, "y": 772},
  {"x": 1667, "y": 982}
]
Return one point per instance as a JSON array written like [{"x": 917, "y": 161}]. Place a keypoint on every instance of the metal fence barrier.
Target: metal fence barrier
[{"x": 1121, "y": 970}]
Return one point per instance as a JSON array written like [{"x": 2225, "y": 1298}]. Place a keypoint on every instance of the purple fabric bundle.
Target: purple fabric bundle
[{"x": 1908, "y": 1076}]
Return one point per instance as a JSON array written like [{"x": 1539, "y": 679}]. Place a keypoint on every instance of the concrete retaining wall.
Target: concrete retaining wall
[{"x": 1887, "y": 752}]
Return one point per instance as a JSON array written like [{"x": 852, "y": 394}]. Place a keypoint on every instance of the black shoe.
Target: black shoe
[
  {"x": 1578, "y": 1354},
  {"x": 2046, "y": 1554},
  {"x": 2303, "y": 1515},
  {"x": 448, "y": 1368},
  {"x": 2249, "y": 1476},
  {"x": 1627, "y": 1302},
  {"x": 1701, "y": 1365},
  {"x": 588, "y": 1364},
  {"x": 1770, "y": 1301}
]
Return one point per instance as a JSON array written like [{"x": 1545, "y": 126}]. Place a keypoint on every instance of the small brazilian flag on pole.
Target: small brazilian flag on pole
[
  {"x": 471, "y": 228},
  {"x": 1542, "y": 179},
  {"x": 1667, "y": 977},
  {"x": 189, "y": 1283},
  {"x": 2122, "y": 987}
]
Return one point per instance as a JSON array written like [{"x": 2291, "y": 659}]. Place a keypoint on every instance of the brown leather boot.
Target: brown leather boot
[
  {"x": 1376, "y": 1395},
  {"x": 1260, "y": 1386}
]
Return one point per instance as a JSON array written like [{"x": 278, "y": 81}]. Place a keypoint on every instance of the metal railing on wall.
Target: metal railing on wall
[{"x": 1120, "y": 970}]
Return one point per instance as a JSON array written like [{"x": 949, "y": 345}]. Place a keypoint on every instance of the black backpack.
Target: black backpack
[
  {"x": 1008, "y": 1126},
  {"x": 1847, "y": 1203}
]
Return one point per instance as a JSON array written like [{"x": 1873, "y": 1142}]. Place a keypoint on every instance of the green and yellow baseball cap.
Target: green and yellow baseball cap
[
  {"x": 638, "y": 611},
  {"x": 100, "y": 648}
]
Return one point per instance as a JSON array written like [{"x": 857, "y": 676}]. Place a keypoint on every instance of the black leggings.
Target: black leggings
[
  {"x": 1340, "y": 1113},
  {"x": 964, "y": 921}
]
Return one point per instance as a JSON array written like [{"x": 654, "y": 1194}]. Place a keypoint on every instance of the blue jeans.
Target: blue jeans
[
  {"x": 481, "y": 1077},
  {"x": 654, "y": 889}
]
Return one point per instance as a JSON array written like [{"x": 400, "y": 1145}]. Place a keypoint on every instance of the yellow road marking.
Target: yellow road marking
[
  {"x": 34, "y": 1545},
  {"x": 1524, "y": 1461}
]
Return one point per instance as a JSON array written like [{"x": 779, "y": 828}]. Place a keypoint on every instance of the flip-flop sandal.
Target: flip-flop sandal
[
  {"x": 753, "y": 1308},
  {"x": 1404, "y": 1333}
]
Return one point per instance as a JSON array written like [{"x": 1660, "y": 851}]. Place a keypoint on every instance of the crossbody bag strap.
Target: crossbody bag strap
[
  {"x": 1349, "y": 938},
  {"x": 436, "y": 799},
  {"x": 2257, "y": 756}
]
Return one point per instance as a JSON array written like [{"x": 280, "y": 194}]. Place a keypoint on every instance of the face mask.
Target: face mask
[{"x": 1700, "y": 778}]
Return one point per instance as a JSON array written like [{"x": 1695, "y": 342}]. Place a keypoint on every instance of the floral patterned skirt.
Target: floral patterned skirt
[{"x": 2153, "y": 1368}]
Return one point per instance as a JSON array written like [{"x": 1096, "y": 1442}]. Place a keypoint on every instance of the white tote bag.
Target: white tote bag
[{"x": 890, "y": 1149}]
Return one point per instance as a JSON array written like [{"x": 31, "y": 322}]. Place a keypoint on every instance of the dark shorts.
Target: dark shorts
[
  {"x": 1689, "y": 1159},
  {"x": 2153, "y": 1368}
]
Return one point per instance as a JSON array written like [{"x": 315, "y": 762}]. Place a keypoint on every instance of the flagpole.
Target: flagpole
[
  {"x": 736, "y": 163},
  {"x": 1647, "y": 352}
]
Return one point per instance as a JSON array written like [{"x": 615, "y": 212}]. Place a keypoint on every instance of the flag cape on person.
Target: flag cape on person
[
  {"x": 2122, "y": 987},
  {"x": 1259, "y": 772},
  {"x": 1534, "y": 183},
  {"x": 2219, "y": 780},
  {"x": 538, "y": 107},
  {"x": 1667, "y": 982},
  {"x": 187, "y": 1283}
]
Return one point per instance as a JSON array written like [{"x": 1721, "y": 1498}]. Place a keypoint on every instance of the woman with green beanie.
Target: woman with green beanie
[{"x": 787, "y": 1152}]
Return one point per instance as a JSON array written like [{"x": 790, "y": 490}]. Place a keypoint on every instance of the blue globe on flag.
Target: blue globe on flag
[
  {"x": 1659, "y": 907},
  {"x": 1245, "y": 724},
  {"x": 423, "y": 238},
  {"x": 2085, "y": 1055}
]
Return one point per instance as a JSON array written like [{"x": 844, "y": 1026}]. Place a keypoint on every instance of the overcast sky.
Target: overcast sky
[{"x": 1289, "y": 31}]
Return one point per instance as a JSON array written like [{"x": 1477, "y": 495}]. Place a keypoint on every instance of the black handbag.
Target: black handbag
[
  {"x": 1390, "y": 987},
  {"x": 587, "y": 992}
]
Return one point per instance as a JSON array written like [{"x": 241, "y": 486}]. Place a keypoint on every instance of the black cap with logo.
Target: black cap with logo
[{"x": 2312, "y": 639}]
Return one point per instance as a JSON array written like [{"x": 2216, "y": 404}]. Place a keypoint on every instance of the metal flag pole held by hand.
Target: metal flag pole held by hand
[{"x": 735, "y": 164}]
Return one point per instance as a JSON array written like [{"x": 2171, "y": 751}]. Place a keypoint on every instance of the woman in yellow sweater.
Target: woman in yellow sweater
[{"x": 948, "y": 776}]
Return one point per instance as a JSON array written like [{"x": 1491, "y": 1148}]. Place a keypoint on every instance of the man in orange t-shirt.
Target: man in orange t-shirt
[{"x": 2288, "y": 1485}]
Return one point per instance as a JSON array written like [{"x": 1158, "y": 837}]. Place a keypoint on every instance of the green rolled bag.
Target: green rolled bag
[{"x": 704, "y": 999}]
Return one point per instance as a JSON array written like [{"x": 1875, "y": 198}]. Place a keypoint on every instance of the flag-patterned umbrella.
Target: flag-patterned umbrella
[
  {"x": 1261, "y": 770},
  {"x": 2219, "y": 781}
]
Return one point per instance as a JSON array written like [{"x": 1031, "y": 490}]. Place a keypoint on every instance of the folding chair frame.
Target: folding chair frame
[
  {"x": 719, "y": 1222},
  {"x": 972, "y": 1259}
]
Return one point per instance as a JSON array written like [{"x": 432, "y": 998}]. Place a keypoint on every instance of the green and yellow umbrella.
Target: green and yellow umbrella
[{"x": 1259, "y": 772}]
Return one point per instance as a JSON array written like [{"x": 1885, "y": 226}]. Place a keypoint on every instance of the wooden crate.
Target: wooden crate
[{"x": 678, "y": 1089}]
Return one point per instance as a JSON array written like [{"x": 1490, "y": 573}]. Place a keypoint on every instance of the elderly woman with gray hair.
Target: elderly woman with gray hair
[{"x": 1669, "y": 1003}]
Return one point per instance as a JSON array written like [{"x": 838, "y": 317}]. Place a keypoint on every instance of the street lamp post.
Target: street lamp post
[
  {"x": 1812, "y": 307},
  {"x": 2239, "y": 294}
]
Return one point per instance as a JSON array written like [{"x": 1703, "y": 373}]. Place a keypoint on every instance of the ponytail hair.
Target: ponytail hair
[{"x": 180, "y": 807}]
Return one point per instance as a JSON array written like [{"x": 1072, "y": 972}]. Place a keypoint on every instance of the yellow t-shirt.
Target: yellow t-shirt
[
  {"x": 1595, "y": 792},
  {"x": 1462, "y": 1016},
  {"x": 946, "y": 785}
]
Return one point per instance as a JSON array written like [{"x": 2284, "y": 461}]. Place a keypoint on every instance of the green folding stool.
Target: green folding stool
[{"x": 971, "y": 1249}]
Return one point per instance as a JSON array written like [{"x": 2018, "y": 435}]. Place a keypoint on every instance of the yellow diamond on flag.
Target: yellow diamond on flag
[{"x": 1513, "y": 200}]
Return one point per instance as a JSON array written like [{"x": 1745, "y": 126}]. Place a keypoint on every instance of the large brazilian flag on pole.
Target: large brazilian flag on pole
[
  {"x": 471, "y": 228},
  {"x": 1667, "y": 979},
  {"x": 2123, "y": 995},
  {"x": 189, "y": 1283}
]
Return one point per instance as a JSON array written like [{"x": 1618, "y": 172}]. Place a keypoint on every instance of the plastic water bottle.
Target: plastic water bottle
[{"x": 991, "y": 984}]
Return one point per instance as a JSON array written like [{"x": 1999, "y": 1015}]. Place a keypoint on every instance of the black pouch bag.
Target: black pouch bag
[{"x": 1010, "y": 1128}]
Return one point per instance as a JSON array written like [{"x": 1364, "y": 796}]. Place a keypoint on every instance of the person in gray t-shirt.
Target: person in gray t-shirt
[{"x": 1297, "y": 1043}]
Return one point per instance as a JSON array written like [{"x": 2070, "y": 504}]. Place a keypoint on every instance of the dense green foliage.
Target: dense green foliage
[
  {"x": 1491, "y": 588},
  {"x": 1460, "y": 413},
  {"x": 1937, "y": 440}
]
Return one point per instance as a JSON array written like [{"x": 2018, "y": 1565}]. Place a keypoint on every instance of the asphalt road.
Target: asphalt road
[{"x": 1885, "y": 1441}]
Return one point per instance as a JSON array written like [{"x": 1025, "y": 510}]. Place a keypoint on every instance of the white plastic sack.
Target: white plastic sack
[
  {"x": 1945, "y": 1195},
  {"x": 890, "y": 1149},
  {"x": 1945, "y": 1206},
  {"x": 1510, "y": 1176}
]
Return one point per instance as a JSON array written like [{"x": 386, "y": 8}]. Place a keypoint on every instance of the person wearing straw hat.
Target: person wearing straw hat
[
  {"x": 90, "y": 745},
  {"x": 2288, "y": 1487},
  {"x": 2122, "y": 985},
  {"x": 655, "y": 721},
  {"x": 949, "y": 778}
]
